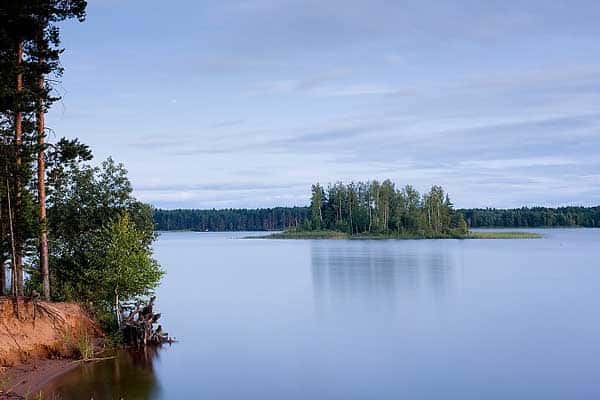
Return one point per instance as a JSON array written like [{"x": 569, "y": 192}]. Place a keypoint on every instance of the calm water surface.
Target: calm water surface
[{"x": 428, "y": 319}]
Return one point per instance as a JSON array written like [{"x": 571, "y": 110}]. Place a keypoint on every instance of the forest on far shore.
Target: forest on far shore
[{"x": 280, "y": 218}]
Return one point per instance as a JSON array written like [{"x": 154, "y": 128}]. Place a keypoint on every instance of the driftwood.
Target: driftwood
[
  {"x": 91, "y": 360},
  {"x": 138, "y": 327}
]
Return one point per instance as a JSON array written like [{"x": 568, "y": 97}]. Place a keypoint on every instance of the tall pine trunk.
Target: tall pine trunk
[
  {"x": 2, "y": 277},
  {"x": 18, "y": 261},
  {"x": 350, "y": 212},
  {"x": 13, "y": 278},
  {"x": 41, "y": 172},
  {"x": 2, "y": 261}
]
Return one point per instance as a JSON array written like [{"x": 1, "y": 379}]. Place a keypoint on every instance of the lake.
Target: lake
[{"x": 346, "y": 319}]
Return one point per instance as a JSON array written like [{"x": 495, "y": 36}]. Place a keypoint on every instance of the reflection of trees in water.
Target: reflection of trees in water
[
  {"x": 129, "y": 376},
  {"x": 377, "y": 276},
  {"x": 143, "y": 358}
]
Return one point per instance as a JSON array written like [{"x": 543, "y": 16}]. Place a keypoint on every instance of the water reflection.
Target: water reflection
[
  {"x": 130, "y": 376},
  {"x": 378, "y": 276},
  {"x": 384, "y": 320}
]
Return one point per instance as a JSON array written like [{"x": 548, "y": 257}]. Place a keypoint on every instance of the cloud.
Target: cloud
[
  {"x": 228, "y": 123},
  {"x": 319, "y": 88},
  {"x": 508, "y": 163},
  {"x": 362, "y": 90},
  {"x": 325, "y": 137},
  {"x": 216, "y": 186},
  {"x": 313, "y": 82}
]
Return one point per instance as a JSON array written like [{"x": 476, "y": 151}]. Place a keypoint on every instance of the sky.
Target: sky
[{"x": 219, "y": 104}]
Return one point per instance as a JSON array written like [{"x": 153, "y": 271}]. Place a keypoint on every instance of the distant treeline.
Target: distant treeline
[
  {"x": 243, "y": 219},
  {"x": 279, "y": 218},
  {"x": 535, "y": 217}
]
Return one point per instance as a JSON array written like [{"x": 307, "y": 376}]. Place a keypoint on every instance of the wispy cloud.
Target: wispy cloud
[
  {"x": 517, "y": 163},
  {"x": 216, "y": 186},
  {"x": 228, "y": 123},
  {"x": 362, "y": 90}
]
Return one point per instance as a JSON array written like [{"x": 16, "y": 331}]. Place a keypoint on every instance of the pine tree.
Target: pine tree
[{"x": 29, "y": 45}]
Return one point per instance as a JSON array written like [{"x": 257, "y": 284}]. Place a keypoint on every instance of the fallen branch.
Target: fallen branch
[
  {"x": 138, "y": 327},
  {"x": 95, "y": 359}
]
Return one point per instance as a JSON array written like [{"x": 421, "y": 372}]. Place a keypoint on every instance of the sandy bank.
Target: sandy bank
[{"x": 38, "y": 341}]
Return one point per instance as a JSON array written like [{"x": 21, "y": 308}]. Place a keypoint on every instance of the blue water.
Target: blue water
[{"x": 423, "y": 319}]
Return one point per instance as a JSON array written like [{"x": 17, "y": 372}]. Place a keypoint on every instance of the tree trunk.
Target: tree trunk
[
  {"x": 13, "y": 278},
  {"x": 350, "y": 212},
  {"x": 429, "y": 216},
  {"x": 2, "y": 277},
  {"x": 320, "y": 215},
  {"x": 2, "y": 261},
  {"x": 41, "y": 161},
  {"x": 117, "y": 311},
  {"x": 18, "y": 259}
]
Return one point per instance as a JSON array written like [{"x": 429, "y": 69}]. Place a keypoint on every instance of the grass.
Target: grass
[
  {"x": 503, "y": 235},
  {"x": 293, "y": 234},
  {"x": 4, "y": 380},
  {"x": 81, "y": 345},
  {"x": 327, "y": 234}
]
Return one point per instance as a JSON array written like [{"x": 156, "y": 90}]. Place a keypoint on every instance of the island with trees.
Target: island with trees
[{"x": 379, "y": 210}]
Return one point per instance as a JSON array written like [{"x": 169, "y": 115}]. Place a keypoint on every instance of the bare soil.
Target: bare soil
[{"x": 40, "y": 341}]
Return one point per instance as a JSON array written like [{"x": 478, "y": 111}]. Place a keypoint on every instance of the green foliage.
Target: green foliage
[
  {"x": 29, "y": 50},
  {"x": 404, "y": 216},
  {"x": 316, "y": 206},
  {"x": 503, "y": 235},
  {"x": 533, "y": 217},
  {"x": 124, "y": 268},
  {"x": 81, "y": 344},
  {"x": 83, "y": 202},
  {"x": 380, "y": 209},
  {"x": 455, "y": 234},
  {"x": 264, "y": 219},
  {"x": 100, "y": 236},
  {"x": 459, "y": 224}
]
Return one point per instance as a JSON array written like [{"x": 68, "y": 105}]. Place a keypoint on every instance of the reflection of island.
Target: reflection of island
[
  {"x": 377, "y": 276},
  {"x": 129, "y": 376}
]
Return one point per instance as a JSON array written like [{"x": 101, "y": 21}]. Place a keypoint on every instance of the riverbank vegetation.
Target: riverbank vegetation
[
  {"x": 70, "y": 229},
  {"x": 503, "y": 235}
]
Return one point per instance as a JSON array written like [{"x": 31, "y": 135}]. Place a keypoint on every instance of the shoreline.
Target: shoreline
[
  {"x": 30, "y": 378},
  {"x": 485, "y": 228},
  {"x": 40, "y": 341},
  {"x": 335, "y": 235}
]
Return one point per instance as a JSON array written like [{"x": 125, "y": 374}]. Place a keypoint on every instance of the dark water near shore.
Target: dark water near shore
[{"x": 424, "y": 319}]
